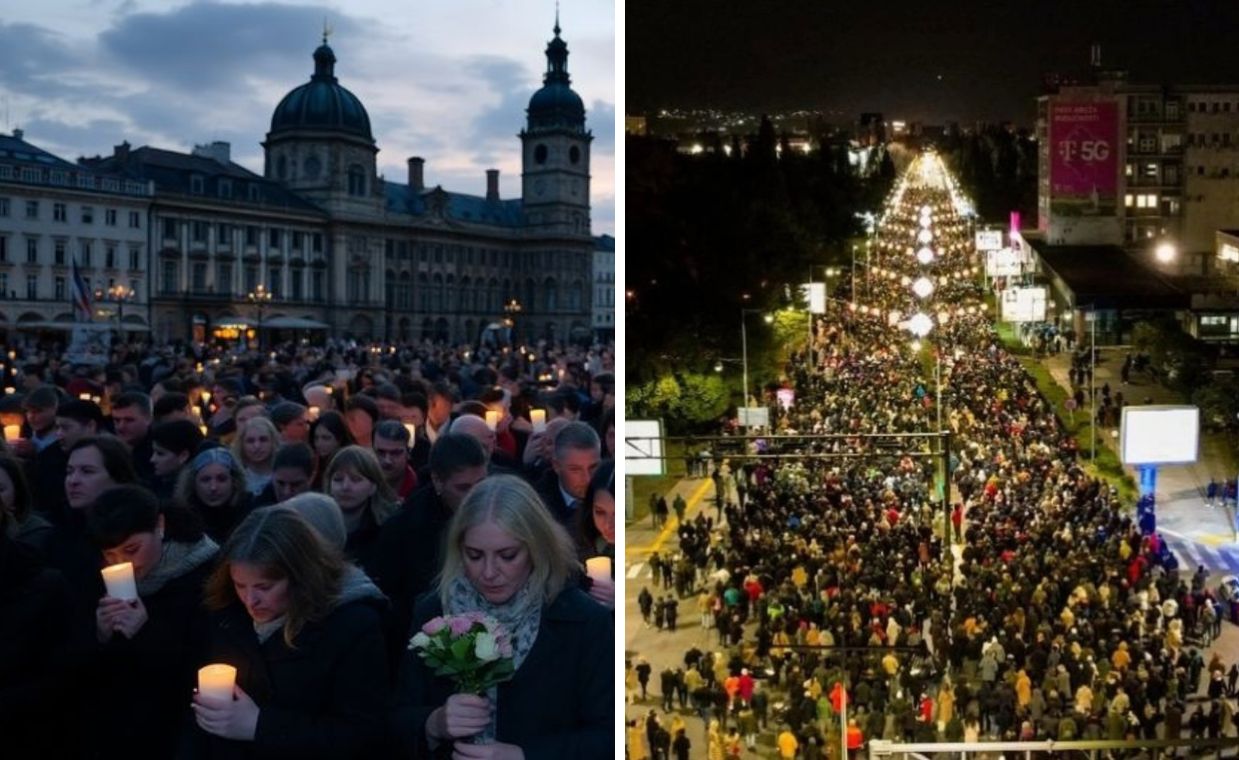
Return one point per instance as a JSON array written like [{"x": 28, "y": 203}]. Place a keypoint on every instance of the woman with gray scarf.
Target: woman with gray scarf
[
  {"x": 149, "y": 647},
  {"x": 505, "y": 556}
]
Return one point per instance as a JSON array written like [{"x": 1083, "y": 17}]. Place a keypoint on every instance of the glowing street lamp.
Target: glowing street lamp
[
  {"x": 923, "y": 288},
  {"x": 1166, "y": 253},
  {"x": 920, "y": 324},
  {"x": 925, "y": 255},
  {"x": 924, "y": 236}
]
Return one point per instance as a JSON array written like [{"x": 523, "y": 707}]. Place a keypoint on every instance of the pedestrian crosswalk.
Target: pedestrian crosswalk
[{"x": 1216, "y": 559}]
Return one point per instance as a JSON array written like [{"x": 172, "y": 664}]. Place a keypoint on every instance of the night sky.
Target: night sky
[{"x": 863, "y": 55}]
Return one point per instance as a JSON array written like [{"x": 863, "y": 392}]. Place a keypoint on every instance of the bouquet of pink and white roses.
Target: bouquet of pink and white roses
[{"x": 472, "y": 649}]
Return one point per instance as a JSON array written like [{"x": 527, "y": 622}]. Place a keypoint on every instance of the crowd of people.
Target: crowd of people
[
  {"x": 1001, "y": 593},
  {"x": 298, "y": 514}
]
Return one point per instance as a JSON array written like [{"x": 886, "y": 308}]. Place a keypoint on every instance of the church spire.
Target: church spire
[{"x": 557, "y": 57}]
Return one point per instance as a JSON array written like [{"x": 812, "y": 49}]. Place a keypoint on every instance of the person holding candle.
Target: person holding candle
[
  {"x": 311, "y": 678},
  {"x": 595, "y": 532},
  {"x": 507, "y": 557},
  {"x": 149, "y": 646},
  {"x": 355, "y": 480},
  {"x": 213, "y": 486},
  {"x": 254, "y": 447}
]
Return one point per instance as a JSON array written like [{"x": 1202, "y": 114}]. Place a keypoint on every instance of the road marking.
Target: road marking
[
  {"x": 635, "y": 570},
  {"x": 672, "y": 522}
]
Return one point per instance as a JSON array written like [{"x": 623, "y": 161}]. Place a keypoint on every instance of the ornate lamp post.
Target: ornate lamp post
[
  {"x": 260, "y": 297},
  {"x": 119, "y": 295},
  {"x": 510, "y": 310}
]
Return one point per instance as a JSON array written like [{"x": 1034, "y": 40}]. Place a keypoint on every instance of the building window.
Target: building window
[
  {"x": 4, "y": 285},
  {"x": 298, "y": 240},
  {"x": 60, "y": 288},
  {"x": 135, "y": 220},
  {"x": 109, "y": 257},
  {"x": 32, "y": 286},
  {"x": 85, "y": 249},
  {"x": 198, "y": 274},
  {"x": 4, "y": 206},
  {"x": 223, "y": 278},
  {"x": 297, "y": 278},
  {"x": 273, "y": 238},
  {"x": 356, "y": 181},
  {"x": 88, "y": 215},
  {"x": 169, "y": 229},
  {"x": 274, "y": 280},
  {"x": 225, "y": 188},
  {"x": 171, "y": 275},
  {"x": 316, "y": 284},
  {"x": 251, "y": 235},
  {"x": 251, "y": 279},
  {"x": 223, "y": 235},
  {"x": 196, "y": 185},
  {"x": 4, "y": 248},
  {"x": 60, "y": 212},
  {"x": 32, "y": 250},
  {"x": 318, "y": 242},
  {"x": 109, "y": 217},
  {"x": 58, "y": 255},
  {"x": 134, "y": 261},
  {"x": 198, "y": 231},
  {"x": 32, "y": 209}
]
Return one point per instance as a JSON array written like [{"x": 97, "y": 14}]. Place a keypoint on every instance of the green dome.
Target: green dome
[
  {"x": 556, "y": 104},
  {"x": 322, "y": 104}
]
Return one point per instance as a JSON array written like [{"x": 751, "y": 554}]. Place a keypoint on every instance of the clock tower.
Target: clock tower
[{"x": 555, "y": 152}]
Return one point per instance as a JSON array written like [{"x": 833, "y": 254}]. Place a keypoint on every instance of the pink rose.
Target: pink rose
[
  {"x": 460, "y": 625},
  {"x": 505, "y": 649},
  {"x": 434, "y": 625}
]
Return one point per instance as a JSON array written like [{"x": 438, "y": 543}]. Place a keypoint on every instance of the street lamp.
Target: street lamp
[
  {"x": 260, "y": 297},
  {"x": 1166, "y": 252},
  {"x": 119, "y": 295},
  {"x": 510, "y": 310},
  {"x": 744, "y": 345}
]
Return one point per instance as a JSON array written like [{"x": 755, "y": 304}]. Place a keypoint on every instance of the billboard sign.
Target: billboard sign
[
  {"x": 1005, "y": 262},
  {"x": 1023, "y": 304},
  {"x": 1159, "y": 435},
  {"x": 1084, "y": 157},
  {"x": 989, "y": 240},
  {"x": 643, "y": 447},
  {"x": 753, "y": 416},
  {"x": 814, "y": 294}
]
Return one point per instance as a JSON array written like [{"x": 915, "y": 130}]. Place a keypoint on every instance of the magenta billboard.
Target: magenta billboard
[{"x": 1084, "y": 157}]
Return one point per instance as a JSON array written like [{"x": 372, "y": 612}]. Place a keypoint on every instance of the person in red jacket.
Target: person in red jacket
[{"x": 855, "y": 740}]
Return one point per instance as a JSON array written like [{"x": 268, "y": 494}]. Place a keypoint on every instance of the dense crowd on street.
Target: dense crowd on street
[
  {"x": 1025, "y": 603},
  {"x": 298, "y": 513}
]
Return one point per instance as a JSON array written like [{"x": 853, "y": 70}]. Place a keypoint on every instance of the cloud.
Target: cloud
[
  {"x": 35, "y": 58},
  {"x": 600, "y": 118}
]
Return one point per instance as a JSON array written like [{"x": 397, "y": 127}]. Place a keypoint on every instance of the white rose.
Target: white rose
[
  {"x": 419, "y": 640},
  {"x": 485, "y": 647}
]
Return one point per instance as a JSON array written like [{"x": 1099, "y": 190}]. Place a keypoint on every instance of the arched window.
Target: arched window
[
  {"x": 356, "y": 180},
  {"x": 389, "y": 288},
  {"x": 550, "y": 294},
  {"x": 422, "y": 298},
  {"x": 436, "y": 294},
  {"x": 467, "y": 294},
  {"x": 449, "y": 295}
]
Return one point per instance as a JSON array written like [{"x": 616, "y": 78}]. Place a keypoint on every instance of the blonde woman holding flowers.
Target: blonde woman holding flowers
[{"x": 506, "y": 557}]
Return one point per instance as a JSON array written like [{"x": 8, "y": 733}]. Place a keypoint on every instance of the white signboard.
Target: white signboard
[
  {"x": 814, "y": 294},
  {"x": 989, "y": 240},
  {"x": 1159, "y": 435},
  {"x": 643, "y": 447},
  {"x": 753, "y": 416},
  {"x": 1023, "y": 304},
  {"x": 1004, "y": 262}
]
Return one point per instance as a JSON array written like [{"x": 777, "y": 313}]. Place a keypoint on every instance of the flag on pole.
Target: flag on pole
[{"x": 79, "y": 294}]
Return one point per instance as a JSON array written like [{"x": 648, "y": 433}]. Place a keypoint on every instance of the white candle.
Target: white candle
[
  {"x": 409, "y": 426},
  {"x": 538, "y": 418},
  {"x": 206, "y": 397},
  {"x": 215, "y": 682},
  {"x": 120, "y": 582},
  {"x": 314, "y": 412},
  {"x": 203, "y": 428},
  {"x": 84, "y": 396},
  {"x": 12, "y": 432},
  {"x": 598, "y": 568},
  {"x": 10, "y": 390},
  {"x": 492, "y": 420}
]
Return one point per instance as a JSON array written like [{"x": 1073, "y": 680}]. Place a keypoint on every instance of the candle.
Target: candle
[
  {"x": 492, "y": 419},
  {"x": 9, "y": 390},
  {"x": 313, "y": 412},
  {"x": 203, "y": 428},
  {"x": 409, "y": 426},
  {"x": 119, "y": 581},
  {"x": 215, "y": 682},
  {"x": 198, "y": 367},
  {"x": 84, "y": 396},
  {"x": 538, "y": 418},
  {"x": 12, "y": 432},
  {"x": 330, "y": 390},
  {"x": 206, "y": 397},
  {"x": 598, "y": 568}
]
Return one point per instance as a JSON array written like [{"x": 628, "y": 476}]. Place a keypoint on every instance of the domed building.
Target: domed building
[{"x": 320, "y": 244}]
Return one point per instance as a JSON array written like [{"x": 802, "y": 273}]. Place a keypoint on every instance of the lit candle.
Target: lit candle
[
  {"x": 313, "y": 412},
  {"x": 9, "y": 390},
  {"x": 12, "y": 355},
  {"x": 12, "y": 432},
  {"x": 598, "y": 568},
  {"x": 409, "y": 426},
  {"x": 198, "y": 367},
  {"x": 330, "y": 390},
  {"x": 215, "y": 682},
  {"x": 84, "y": 396},
  {"x": 203, "y": 428},
  {"x": 538, "y": 418},
  {"x": 119, "y": 581},
  {"x": 492, "y": 419},
  {"x": 206, "y": 397}
]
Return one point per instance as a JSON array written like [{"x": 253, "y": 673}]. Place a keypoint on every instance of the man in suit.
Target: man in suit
[
  {"x": 576, "y": 455},
  {"x": 410, "y": 551}
]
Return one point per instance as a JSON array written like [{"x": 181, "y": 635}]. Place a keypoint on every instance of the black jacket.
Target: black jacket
[
  {"x": 548, "y": 488},
  {"x": 560, "y": 703},
  {"x": 145, "y": 684},
  {"x": 46, "y": 474},
  {"x": 40, "y": 651},
  {"x": 409, "y": 555},
  {"x": 326, "y": 697}
]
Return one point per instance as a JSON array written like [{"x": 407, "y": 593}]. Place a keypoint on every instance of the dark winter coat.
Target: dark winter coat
[
  {"x": 325, "y": 697},
  {"x": 558, "y": 705}
]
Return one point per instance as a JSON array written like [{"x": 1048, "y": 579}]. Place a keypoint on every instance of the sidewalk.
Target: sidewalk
[{"x": 1181, "y": 507}]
